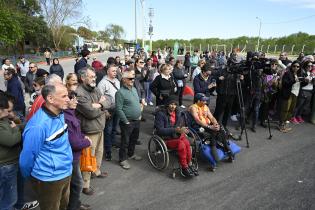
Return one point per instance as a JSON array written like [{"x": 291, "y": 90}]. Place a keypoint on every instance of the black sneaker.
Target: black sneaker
[
  {"x": 138, "y": 142},
  {"x": 185, "y": 172},
  {"x": 108, "y": 156},
  {"x": 193, "y": 170}
]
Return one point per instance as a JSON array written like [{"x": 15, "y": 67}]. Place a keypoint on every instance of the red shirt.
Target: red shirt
[
  {"x": 39, "y": 101},
  {"x": 173, "y": 118}
]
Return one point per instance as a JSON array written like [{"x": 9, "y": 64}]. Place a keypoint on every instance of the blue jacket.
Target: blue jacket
[
  {"x": 46, "y": 154},
  {"x": 14, "y": 87},
  {"x": 201, "y": 85},
  {"x": 163, "y": 125}
]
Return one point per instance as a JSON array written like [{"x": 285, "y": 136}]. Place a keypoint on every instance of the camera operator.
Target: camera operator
[
  {"x": 227, "y": 91},
  {"x": 255, "y": 63}
]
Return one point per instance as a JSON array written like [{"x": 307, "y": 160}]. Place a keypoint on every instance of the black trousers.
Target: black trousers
[
  {"x": 223, "y": 107},
  {"x": 130, "y": 135}
]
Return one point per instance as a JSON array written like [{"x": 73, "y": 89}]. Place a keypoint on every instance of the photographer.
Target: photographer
[
  {"x": 227, "y": 91},
  {"x": 253, "y": 87}
]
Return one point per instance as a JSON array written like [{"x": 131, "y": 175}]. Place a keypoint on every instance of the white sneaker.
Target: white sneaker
[
  {"x": 234, "y": 118},
  {"x": 183, "y": 107},
  {"x": 30, "y": 205},
  {"x": 145, "y": 104},
  {"x": 287, "y": 122},
  {"x": 150, "y": 103}
]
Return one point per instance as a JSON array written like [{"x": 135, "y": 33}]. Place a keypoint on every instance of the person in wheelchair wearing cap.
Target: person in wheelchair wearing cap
[
  {"x": 169, "y": 126},
  {"x": 208, "y": 127}
]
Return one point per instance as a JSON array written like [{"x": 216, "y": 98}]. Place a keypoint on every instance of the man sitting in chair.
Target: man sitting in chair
[
  {"x": 207, "y": 126},
  {"x": 168, "y": 123}
]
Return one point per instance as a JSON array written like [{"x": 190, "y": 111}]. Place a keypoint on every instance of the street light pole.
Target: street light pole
[
  {"x": 258, "y": 33},
  {"x": 136, "y": 39}
]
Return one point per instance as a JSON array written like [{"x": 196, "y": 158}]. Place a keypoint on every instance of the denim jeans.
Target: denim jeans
[
  {"x": 8, "y": 186},
  {"x": 76, "y": 186},
  {"x": 20, "y": 191},
  {"x": 148, "y": 94},
  {"x": 110, "y": 133}
]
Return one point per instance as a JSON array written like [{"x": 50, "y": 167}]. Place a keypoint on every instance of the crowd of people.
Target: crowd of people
[{"x": 41, "y": 145}]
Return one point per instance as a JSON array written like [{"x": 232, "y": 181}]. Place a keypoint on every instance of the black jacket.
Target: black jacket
[
  {"x": 80, "y": 64},
  {"x": 162, "y": 87},
  {"x": 201, "y": 85},
  {"x": 57, "y": 69},
  {"x": 288, "y": 80},
  {"x": 228, "y": 85}
]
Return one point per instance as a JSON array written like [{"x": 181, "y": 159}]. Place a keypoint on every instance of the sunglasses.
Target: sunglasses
[
  {"x": 31, "y": 67},
  {"x": 141, "y": 62},
  {"x": 296, "y": 66},
  {"x": 131, "y": 78}
]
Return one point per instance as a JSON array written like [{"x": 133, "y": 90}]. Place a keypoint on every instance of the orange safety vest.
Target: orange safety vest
[{"x": 202, "y": 113}]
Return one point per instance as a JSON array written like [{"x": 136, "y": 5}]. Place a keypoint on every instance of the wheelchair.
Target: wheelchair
[{"x": 159, "y": 154}]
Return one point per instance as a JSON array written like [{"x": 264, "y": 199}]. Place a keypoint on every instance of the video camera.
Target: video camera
[{"x": 237, "y": 67}]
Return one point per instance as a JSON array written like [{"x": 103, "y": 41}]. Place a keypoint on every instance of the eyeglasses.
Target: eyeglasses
[
  {"x": 31, "y": 67},
  {"x": 131, "y": 78}
]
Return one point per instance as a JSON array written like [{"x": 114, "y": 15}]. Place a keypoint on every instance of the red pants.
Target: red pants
[{"x": 183, "y": 149}]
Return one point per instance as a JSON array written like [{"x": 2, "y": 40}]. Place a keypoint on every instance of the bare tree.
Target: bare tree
[{"x": 58, "y": 13}]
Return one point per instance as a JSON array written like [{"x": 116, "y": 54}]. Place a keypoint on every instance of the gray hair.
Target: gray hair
[
  {"x": 127, "y": 73},
  {"x": 48, "y": 90},
  {"x": 82, "y": 73},
  {"x": 53, "y": 79}
]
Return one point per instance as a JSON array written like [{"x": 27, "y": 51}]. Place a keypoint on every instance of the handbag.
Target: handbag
[{"x": 88, "y": 161}]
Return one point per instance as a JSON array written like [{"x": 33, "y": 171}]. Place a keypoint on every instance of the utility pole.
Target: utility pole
[
  {"x": 142, "y": 21},
  {"x": 151, "y": 15},
  {"x": 258, "y": 32}
]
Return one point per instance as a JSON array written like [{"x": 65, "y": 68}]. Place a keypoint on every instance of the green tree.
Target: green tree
[
  {"x": 115, "y": 32},
  {"x": 85, "y": 32},
  {"x": 11, "y": 29}
]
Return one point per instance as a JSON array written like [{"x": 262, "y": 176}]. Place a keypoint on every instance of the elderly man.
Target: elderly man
[
  {"x": 91, "y": 112},
  {"x": 47, "y": 156},
  {"x": 129, "y": 112}
]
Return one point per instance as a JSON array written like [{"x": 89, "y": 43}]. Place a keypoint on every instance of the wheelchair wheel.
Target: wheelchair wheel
[
  {"x": 157, "y": 153},
  {"x": 193, "y": 139}
]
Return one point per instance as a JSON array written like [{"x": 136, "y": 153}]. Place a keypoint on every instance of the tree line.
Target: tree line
[
  {"x": 48, "y": 23},
  {"x": 298, "y": 41}
]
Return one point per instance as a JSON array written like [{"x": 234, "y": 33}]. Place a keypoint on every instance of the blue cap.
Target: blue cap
[{"x": 201, "y": 97}]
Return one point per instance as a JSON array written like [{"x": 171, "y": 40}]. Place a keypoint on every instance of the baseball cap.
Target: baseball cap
[{"x": 201, "y": 97}]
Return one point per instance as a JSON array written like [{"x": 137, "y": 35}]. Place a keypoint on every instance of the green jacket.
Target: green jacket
[
  {"x": 9, "y": 143},
  {"x": 127, "y": 104}
]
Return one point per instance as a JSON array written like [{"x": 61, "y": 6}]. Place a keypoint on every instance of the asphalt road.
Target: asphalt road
[{"x": 271, "y": 174}]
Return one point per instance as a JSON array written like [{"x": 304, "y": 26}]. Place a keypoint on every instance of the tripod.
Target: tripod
[{"x": 242, "y": 109}]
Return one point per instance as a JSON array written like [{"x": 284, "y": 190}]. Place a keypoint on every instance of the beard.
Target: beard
[{"x": 92, "y": 85}]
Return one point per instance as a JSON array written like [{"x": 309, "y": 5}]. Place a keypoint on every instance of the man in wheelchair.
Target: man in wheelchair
[
  {"x": 209, "y": 129},
  {"x": 169, "y": 126}
]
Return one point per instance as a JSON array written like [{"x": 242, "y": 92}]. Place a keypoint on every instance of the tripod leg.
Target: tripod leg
[{"x": 268, "y": 121}]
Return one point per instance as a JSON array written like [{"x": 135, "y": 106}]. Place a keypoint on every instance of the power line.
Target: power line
[{"x": 289, "y": 21}]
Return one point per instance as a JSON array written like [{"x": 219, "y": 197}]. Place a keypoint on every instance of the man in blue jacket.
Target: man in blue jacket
[{"x": 47, "y": 156}]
